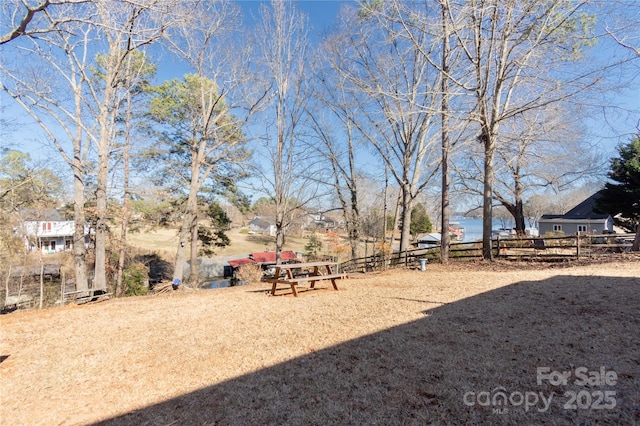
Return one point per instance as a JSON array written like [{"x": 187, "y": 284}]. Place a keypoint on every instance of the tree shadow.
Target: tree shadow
[
  {"x": 159, "y": 269},
  {"x": 449, "y": 367},
  {"x": 261, "y": 239}
]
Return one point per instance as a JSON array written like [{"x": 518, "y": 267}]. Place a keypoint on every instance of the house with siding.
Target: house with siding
[
  {"x": 582, "y": 218},
  {"x": 47, "y": 231},
  {"x": 262, "y": 225}
]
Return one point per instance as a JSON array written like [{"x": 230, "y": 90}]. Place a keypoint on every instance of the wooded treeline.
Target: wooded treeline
[{"x": 418, "y": 100}]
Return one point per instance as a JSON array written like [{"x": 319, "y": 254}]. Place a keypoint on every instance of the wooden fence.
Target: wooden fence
[{"x": 526, "y": 248}]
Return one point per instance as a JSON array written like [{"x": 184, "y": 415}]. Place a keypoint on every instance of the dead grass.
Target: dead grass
[
  {"x": 401, "y": 347},
  {"x": 250, "y": 273},
  {"x": 164, "y": 241}
]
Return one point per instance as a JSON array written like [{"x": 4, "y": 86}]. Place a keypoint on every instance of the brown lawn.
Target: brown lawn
[
  {"x": 401, "y": 347},
  {"x": 164, "y": 242}
]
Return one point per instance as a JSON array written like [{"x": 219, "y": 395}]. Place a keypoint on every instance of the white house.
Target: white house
[{"x": 49, "y": 231}]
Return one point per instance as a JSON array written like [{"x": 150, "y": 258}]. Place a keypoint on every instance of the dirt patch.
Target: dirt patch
[{"x": 399, "y": 347}]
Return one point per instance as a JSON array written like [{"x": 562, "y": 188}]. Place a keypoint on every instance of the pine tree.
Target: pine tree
[{"x": 621, "y": 196}]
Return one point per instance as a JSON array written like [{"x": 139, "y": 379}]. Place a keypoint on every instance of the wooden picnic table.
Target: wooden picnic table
[{"x": 292, "y": 274}]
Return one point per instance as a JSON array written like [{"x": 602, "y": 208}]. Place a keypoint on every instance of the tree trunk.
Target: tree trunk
[
  {"x": 354, "y": 234},
  {"x": 185, "y": 236},
  {"x": 193, "y": 260},
  {"x": 519, "y": 217},
  {"x": 487, "y": 206},
  {"x": 125, "y": 200},
  {"x": 100, "y": 271},
  {"x": 396, "y": 220},
  {"x": 79, "y": 248},
  {"x": 190, "y": 218},
  {"x": 41, "y": 281},
  {"x": 279, "y": 235},
  {"x": 106, "y": 120},
  {"x": 183, "y": 240},
  {"x": 405, "y": 233},
  {"x": 445, "y": 237},
  {"x": 517, "y": 211}
]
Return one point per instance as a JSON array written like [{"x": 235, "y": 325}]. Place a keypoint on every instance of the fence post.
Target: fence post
[
  {"x": 578, "y": 245},
  {"x": 498, "y": 246}
]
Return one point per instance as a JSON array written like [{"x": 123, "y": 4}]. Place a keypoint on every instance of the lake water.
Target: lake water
[{"x": 473, "y": 227}]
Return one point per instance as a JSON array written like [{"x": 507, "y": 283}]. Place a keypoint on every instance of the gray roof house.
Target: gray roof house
[
  {"x": 581, "y": 218},
  {"x": 262, "y": 225}
]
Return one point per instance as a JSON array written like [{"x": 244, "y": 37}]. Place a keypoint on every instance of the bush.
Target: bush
[
  {"x": 135, "y": 280},
  {"x": 313, "y": 247},
  {"x": 250, "y": 273}
]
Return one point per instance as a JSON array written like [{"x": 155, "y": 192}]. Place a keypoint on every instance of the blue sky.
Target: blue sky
[
  {"x": 18, "y": 132},
  {"x": 607, "y": 132},
  {"x": 321, "y": 13}
]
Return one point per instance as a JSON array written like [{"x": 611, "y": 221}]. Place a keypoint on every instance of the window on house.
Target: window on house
[
  {"x": 557, "y": 228},
  {"x": 67, "y": 244},
  {"x": 44, "y": 226},
  {"x": 582, "y": 228}
]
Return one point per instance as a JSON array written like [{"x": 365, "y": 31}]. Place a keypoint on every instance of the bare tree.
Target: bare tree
[
  {"x": 64, "y": 64},
  {"x": 30, "y": 19},
  {"x": 422, "y": 18},
  {"x": 206, "y": 111},
  {"x": 541, "y": 149},
  {"x": 622, "y": 24},
  {"x": 521, "y": 56},
  {"x": 138, "y": 70},
  {"x": 332, "y": 125},
  {"x": 37, "y": 89},
  {"x": 124, "y": 28},
  {"x": 282, "y": 47},
  {"x": 397, "y": 100},
  {"x": 445, "y": 237}
]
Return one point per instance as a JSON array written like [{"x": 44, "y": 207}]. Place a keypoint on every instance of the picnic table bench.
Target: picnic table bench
[{"x": 292, "y": 274}]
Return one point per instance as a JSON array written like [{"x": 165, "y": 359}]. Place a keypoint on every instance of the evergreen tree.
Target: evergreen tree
[
  {"x": 621, "y": 196},
  {"x": 420, "y": 221},
  {"x": 215, "y": 235}
]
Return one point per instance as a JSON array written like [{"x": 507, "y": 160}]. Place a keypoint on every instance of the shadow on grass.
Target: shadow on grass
[
  {"x": 447, "y": 367},
  {"x": 159, "y": 269},
  {"x": 261, "y": 239}
]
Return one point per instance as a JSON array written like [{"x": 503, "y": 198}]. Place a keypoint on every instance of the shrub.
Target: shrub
[
  {"x": 135, "y": 280},
  {"x": 313, "y": 247},
  {"x": 250, "y": 273}
]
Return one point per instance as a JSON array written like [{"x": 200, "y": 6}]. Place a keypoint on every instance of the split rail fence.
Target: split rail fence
[{"x": 557, "y": 248}]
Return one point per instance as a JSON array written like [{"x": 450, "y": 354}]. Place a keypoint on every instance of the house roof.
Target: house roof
[
  {"x": 239, "y": 262},
  {"x": 260, "y": 222},
  {"x": 40, "y": 216},
  {"x": 586, "y": 209},
  {"x": 270, "y": 256},
  {"x": 34, "y": 270},
  {"x": 583, "y": 211},
  {"x": 262, "y": 257},
  {"x": 432, "y": 237}
]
